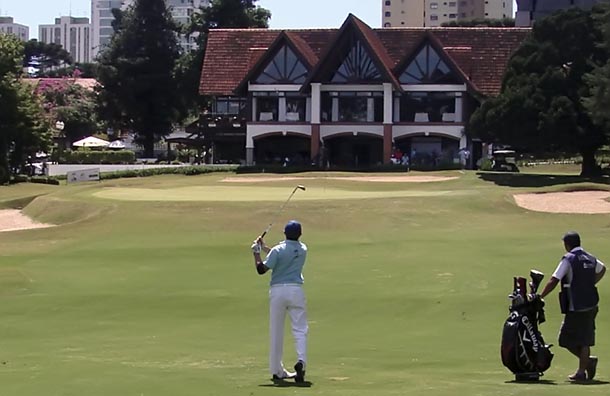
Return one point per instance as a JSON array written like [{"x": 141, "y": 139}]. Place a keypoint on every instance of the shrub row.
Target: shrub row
[
  {"x": 97, "y": 157},
  {"x": 35, "y": 179},
  {"x": 311, "y": 168},
  {"x": 183, "y": 170}
]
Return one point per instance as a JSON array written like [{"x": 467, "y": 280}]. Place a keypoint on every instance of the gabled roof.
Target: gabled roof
[
  {"x": 230, "y": 53},
  {"x": 298, "y": 45},
  {"x": 371, "y": 42},
  {"x": 480, "y": 54},
  {"x": 429, "y": 38}
]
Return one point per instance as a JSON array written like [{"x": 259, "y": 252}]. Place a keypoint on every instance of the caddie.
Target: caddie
[{"x": 578, "y": 271}]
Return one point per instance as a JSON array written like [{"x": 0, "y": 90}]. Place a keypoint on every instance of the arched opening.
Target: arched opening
[
  {"x": 428, "y": 151},
  {"x": 353, "y": 151},
  {"x": 280, "y": 149}
]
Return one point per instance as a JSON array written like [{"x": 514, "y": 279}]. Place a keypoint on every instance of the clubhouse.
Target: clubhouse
[{"x": 353, "y": 96}]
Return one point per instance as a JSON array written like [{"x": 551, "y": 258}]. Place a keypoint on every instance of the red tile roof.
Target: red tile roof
[{"x": 480, "y": 53}]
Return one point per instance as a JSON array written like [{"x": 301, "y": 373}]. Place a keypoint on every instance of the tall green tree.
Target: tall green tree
[
  {"x": 45, "y": 56},
  {"x": 23, "y": 129},
  {"x": 219, "y": 14},
  {"x": 138, "y": 90},
  {"x": 540, "y": 107},
  {"x": 598, "y": 81}
]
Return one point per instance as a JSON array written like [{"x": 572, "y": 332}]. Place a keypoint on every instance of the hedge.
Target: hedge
[{"x": 97, "y": 157}]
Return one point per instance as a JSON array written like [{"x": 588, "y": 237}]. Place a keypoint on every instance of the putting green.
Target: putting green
[{"x": 248, "y": 194}]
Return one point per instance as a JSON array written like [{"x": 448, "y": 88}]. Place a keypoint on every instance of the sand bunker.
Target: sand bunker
[
  {"x": 588, "y": 202},
  {"x": 13, "y": 220},
  {"x": 387, "y": 179}
]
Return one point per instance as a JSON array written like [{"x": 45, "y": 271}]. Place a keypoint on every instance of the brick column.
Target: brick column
[
  {"x": 315, "y": 142},
  {"x": 387, "y": 143}
]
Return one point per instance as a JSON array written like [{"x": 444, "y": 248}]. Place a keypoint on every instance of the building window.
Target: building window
[
  {"x": 357, "y": 66},
  {"x": 387, "y": 24},
  {"x": 433, "y": 17},
  {"x": 352, "y": 106},
  {"x": 452, "y": 4},
  {"x": 284, "y": 68},
  {"x": 267, "y": 106},
  {"x": 230, "y": 106},
  {"x": 388, "y": 3},
  {"x": 388, "y": 14},
  {"x": 295, "y": 107},
  {"x": 428, "y": 68},
  {"x": 427, "y": 107},
  {"x": 453, "y": 16},
  {"x": 433, "y": 6}
]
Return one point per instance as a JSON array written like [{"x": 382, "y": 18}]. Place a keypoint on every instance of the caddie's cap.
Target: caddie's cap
[
  {"x": 571, "y": 238},
  {"x": 292, "y": 230}
]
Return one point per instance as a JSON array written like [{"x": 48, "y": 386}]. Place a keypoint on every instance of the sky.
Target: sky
[{"x": 285, "y": 13}]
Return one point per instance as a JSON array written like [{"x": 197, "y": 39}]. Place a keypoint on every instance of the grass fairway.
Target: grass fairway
[{"x": 147, "y": 286}]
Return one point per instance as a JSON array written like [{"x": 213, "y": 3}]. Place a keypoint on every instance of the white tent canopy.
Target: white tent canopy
[
  {"x": 116, "y": 144},
  {"x": 91, "y": 141}
]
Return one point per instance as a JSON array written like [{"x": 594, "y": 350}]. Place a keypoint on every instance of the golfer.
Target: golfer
[
  {"x": 286, "y": 261},
  {"x": 578, "y": 272}
]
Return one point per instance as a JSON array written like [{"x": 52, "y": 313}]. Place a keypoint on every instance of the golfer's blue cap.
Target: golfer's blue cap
[
  {"x": 572, "y": 238},
  {"x": 292, "y": 230}
]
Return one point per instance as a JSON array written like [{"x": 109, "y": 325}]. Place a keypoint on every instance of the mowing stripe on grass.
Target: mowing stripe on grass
[{"x": 248, "y": 194}]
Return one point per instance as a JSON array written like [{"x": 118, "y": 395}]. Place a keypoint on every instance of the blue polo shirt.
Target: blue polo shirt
[{"x": 286, "y": 261}]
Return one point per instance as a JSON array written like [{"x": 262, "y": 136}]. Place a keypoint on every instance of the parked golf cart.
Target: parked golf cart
[{"x": 504, "y": 161}]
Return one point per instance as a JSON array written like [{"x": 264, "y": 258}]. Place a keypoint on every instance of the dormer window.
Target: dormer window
[{"x": 284, "y": 68}]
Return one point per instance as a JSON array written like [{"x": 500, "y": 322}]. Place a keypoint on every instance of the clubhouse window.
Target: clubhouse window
[
  {"x": 427, "y": 107},
  {"x": 267, "y": 106},
  {"x": 230, "y": 106},
  {"x": 352, "y": 106},
  {"x": 296, "y": 106}
]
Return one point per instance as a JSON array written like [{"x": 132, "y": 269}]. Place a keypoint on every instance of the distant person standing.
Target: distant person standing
[
  {"x": 578, "y": 272},
  {"x": 286, "y": 295}
]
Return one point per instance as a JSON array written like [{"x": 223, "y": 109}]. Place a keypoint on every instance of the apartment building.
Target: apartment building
[
  {"x": 430, "y": 13},
  {"x": 73, "y": 34},
  {"x": 8, "y": 25},
  {"x": 101, "y": 19},
  {"x": 529, "y": 11}
]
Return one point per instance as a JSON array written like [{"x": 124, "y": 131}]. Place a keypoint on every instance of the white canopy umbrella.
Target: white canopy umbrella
[
  {"x": 116, "y": 144},
  {"x": 91, "y": 141}
]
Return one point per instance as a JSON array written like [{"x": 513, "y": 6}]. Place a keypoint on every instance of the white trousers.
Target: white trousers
[{"x": 289, "y": 298}]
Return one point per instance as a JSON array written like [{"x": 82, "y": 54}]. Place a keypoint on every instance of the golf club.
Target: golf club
[
  {"x": 537, "y": 277},
  {"x": 299, "y": 187}
]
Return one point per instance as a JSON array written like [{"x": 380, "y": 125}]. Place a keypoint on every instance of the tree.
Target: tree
[
  {"x": 540, "y": 105},
  {"x": 23, "y": 130},
  {"x": 477, "y": 22},
  {"x": 66, "y": 101},
  {"x": 138, "y": 90},
  {"x": 597, "y": 102},
  {"x": 44, "y": 56},
  {"x": 77, "y": 70},
  {"x": 219, "y": 14}
]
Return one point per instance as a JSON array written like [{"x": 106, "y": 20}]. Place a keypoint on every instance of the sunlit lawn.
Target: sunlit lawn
[{"x": 147, "y": 286}]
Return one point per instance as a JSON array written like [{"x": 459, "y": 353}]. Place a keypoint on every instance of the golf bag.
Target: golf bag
[{"x": 523, "y": 349}]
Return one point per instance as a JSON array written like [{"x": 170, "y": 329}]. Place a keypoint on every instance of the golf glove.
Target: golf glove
[{"x": 256, "y": 247}]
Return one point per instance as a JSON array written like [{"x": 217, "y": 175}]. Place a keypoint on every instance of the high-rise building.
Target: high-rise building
[
  {"x": 530, "y": 10},
  {"x": 73, "y": 34},
  {"x": 101, "y": 22},
  {"x": 8, "y": 25},
  {"x": 413, "y": 13},
  {"x": 101, "y": 19}
]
